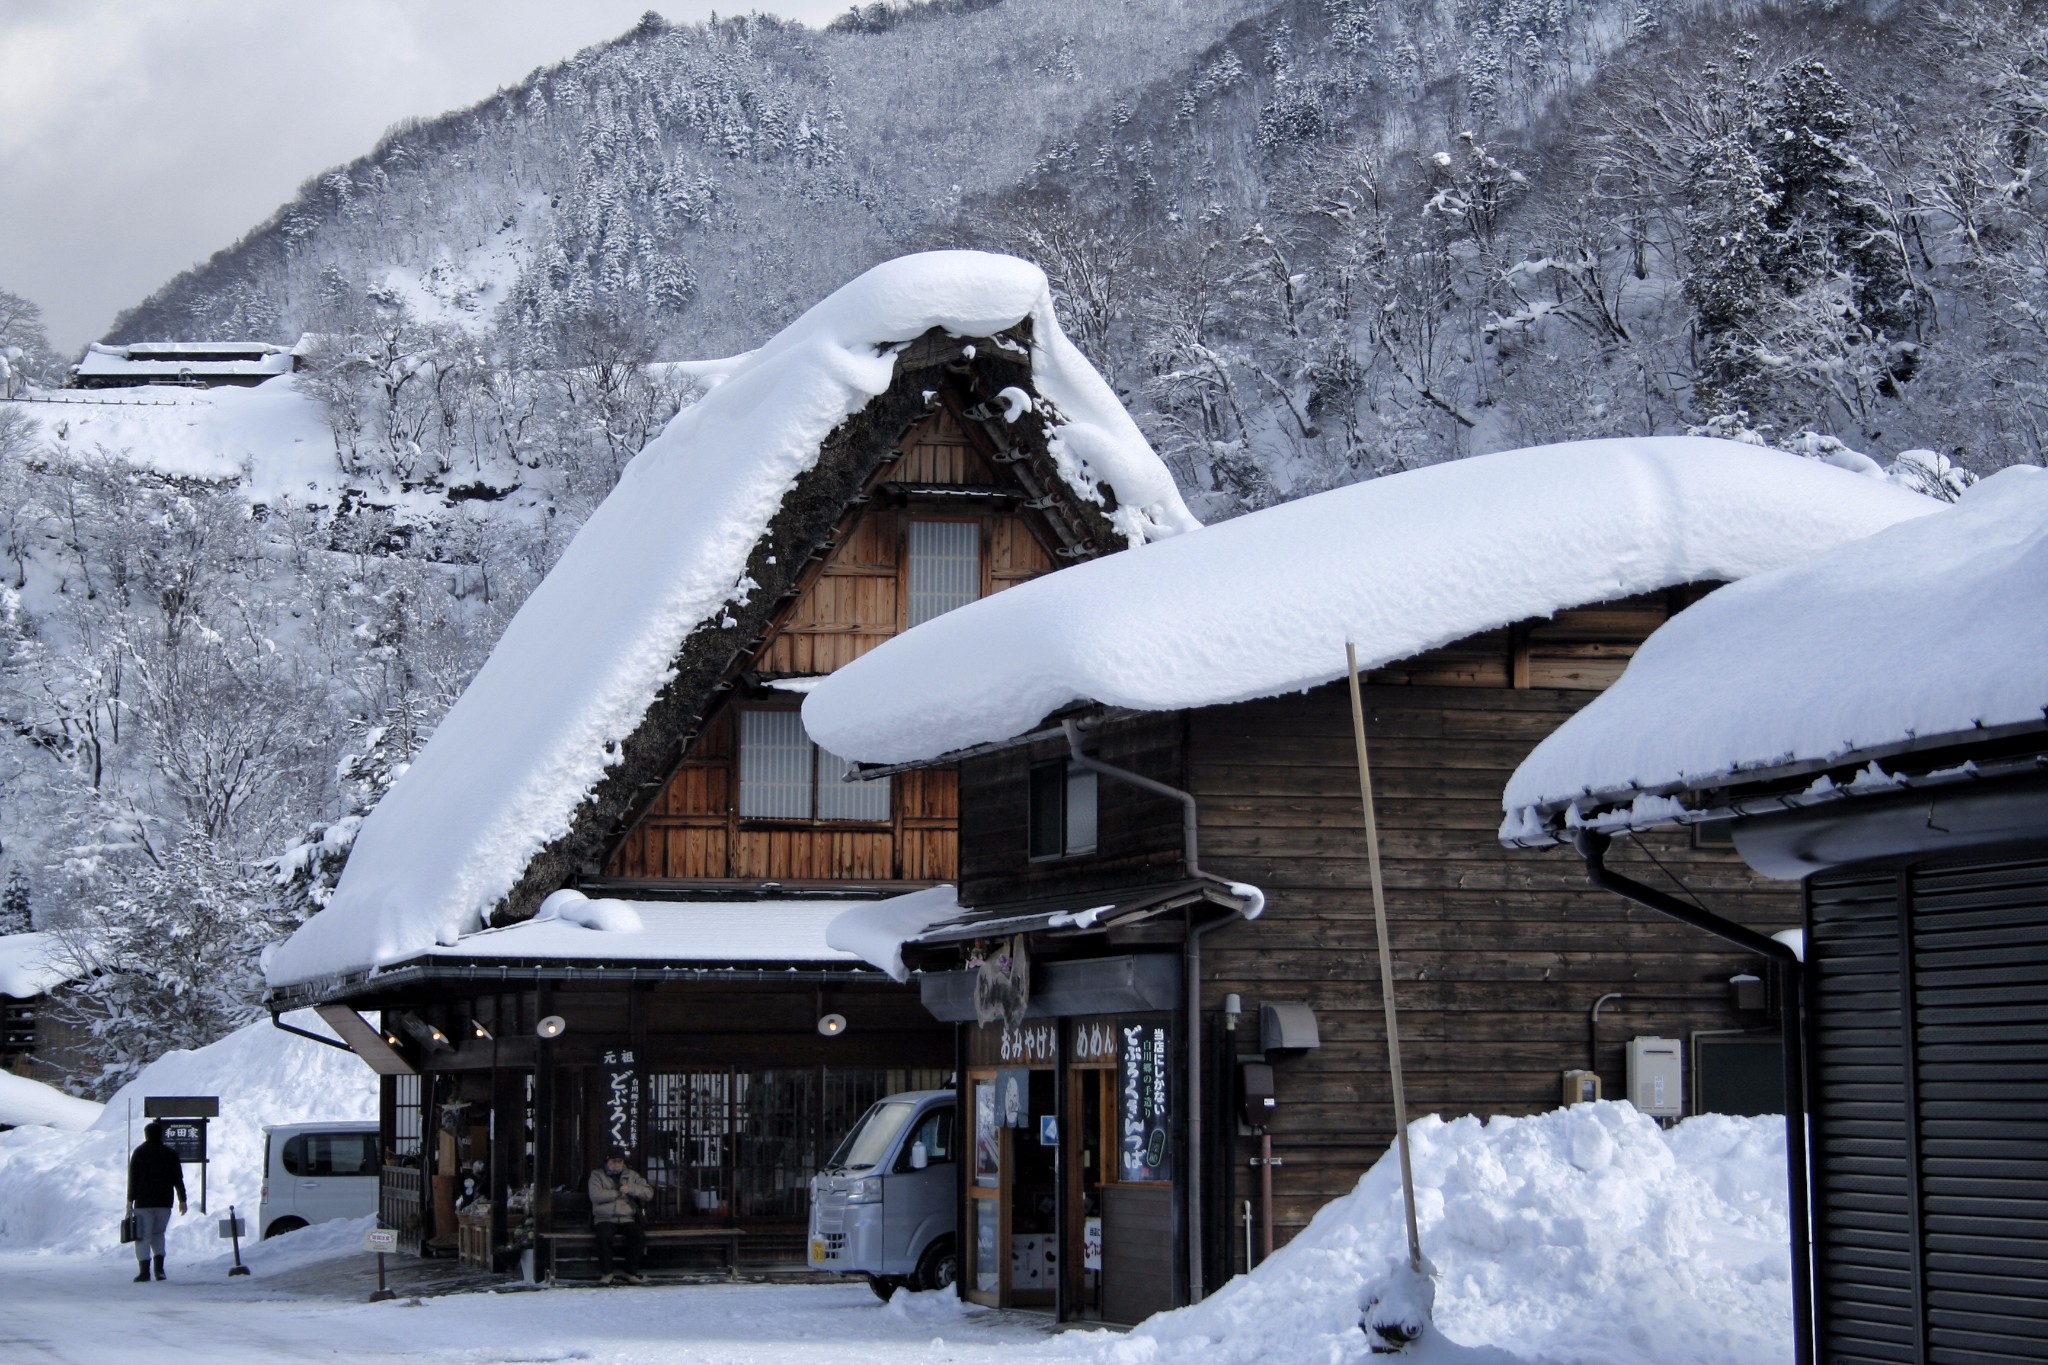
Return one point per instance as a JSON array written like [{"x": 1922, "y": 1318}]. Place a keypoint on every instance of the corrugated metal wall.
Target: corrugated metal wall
[{"x": 1931, "y": 1144}]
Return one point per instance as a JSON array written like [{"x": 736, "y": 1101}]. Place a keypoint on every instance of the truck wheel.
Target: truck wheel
[
  {"x": 884, "y": 1286},
  {"x": 284, "y": 1225},
  {"x": 939, "y": 1267}
]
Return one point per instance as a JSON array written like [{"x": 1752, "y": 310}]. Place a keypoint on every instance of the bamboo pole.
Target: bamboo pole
[{"x": 1379, "y": 918}]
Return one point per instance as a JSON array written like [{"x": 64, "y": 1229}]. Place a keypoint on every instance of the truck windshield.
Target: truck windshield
[{"x": 871, "y": 1139}]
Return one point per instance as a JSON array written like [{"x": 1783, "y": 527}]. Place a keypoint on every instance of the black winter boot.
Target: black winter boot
[
  {"x": 159, "y": 1262},
  {"x": 142, "y": 1272}
]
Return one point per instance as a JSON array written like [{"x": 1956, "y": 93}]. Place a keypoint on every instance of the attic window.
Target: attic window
[
  {"x": 1062, "y": 820},
  {"x": 945, "y": 567},
  {"x": 784, "y": 776}
]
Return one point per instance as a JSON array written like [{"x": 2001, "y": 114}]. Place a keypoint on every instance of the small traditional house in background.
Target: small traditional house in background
[
  {"x": 592, "y": 913},
  {"x": 34, "y": 1041},
  {"x": 1159, "y": 814},
  {"x": 185, "y": 364},
  {"x": 1874, "y": 726}
]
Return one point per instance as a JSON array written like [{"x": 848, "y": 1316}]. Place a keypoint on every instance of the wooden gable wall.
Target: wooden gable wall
[{"x": 854, "y": 599}]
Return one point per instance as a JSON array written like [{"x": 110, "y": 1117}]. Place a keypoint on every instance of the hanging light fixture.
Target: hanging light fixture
[
  {"x": 478, "y": 1029},
  {"x": 554, "y": 1026},
  {"x": 832, "y": 1025}
]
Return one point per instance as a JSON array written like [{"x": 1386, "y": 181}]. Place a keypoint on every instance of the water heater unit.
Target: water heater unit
[{"x": 1655, "y": 1076}]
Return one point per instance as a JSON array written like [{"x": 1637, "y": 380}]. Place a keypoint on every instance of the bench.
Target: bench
[{"x": 572, "y": 1254}]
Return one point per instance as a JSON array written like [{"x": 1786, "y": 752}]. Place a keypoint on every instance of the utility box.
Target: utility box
[
  {"x": 1287, "y": 1028},
  {"x": 1259, "y": 1104},
  {"x": 1656, "y": 1076},
  {"x": 1581, "y": 1087}
]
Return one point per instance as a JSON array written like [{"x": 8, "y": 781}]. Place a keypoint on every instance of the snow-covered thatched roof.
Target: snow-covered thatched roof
[
  {"x": 143, "y": 361},
  {"x": 1264, "y": 604},
  {"x": 675, "y": 572},
  {"x": 1928, "y": 635}
]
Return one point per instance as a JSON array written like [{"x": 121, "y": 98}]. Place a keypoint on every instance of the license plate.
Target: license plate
[{"x": 817, "y": 1248}]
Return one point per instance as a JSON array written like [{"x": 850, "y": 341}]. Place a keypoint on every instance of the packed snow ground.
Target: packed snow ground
[
  {"x": 1587, "y": 1236},
  {"x": 1262, "y": 605}
]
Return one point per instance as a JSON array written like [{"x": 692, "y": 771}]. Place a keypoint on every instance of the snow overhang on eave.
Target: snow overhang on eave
[
  {"x": 1948, "y": 760},
  {"x": 506, "y": 974},
  {"x": 1087, "y": 716}
]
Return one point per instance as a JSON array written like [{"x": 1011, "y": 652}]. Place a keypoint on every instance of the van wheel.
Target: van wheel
[
  {"x": 939, "y": 1267},
  {"x": 282, "y": 1226},
  {"x": 884, "y": 1286}
]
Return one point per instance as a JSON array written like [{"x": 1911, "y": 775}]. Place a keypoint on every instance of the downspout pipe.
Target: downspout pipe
[
  {"x": 1592, "y": 846},
  {"x": 1191, "y": 972}
]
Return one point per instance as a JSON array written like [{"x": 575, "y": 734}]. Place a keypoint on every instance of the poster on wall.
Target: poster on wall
[
  {"x": 987, "y": 1151},
  {"x": 1013, "y": 1098},
  {"x": 1145, "y": 1140}
]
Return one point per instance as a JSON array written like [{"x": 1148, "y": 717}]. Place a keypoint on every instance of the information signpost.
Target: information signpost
[
  {"x": 185, "y": 1119},
  {"x": 381, "y": 1240}
]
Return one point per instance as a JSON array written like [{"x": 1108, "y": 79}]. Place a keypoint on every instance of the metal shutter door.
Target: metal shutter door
[
  {"x": 1980, "y": 977},
  {"x": 1862, "y": 1187}
]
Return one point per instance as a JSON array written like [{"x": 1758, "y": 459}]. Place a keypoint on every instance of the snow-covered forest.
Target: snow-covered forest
[{"x": 1310, "y": 241}]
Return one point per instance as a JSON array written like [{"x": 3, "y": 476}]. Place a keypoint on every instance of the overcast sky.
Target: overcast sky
[{"x": 137, "y": 139}]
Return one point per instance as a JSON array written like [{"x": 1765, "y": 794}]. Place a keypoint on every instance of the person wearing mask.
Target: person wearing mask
[
  {"x": 154, "y": 1175},
  {"x": 618, "y": 1197}
]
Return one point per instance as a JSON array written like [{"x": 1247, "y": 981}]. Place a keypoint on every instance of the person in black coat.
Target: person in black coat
[{"x": 154, "y": 1175}]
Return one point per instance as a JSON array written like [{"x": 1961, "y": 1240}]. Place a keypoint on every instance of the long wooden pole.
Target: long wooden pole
[{"x": 1379, "y": 918}]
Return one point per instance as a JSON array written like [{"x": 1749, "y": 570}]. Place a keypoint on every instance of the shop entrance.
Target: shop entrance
[{"x": 1012, "y": 1246}]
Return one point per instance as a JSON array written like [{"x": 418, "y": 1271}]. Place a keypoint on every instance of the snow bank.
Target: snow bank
[
  {"x": 25, "y": 1102},
  {"x": 32, "y": 964},
  {"x": 1585, "y": 1236},
  {"x": 1935, "y": 627},
  {"x": 1263, "y": 605},
  {"x": 577, "y": 668},
  {"x": 66, "y": 1191}
]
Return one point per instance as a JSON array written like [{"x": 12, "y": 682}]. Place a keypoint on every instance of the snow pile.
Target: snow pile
[
  {"x": 1263, "y": 605},
  {"x": 580, "y": 663},
  {"x": 304, "y": 1246},
  {"x": 706, "y": 932},
  {"x": 32, "y": 964},
  {"x": 573, "y": 907},
  {"x": 1585, "y": 1236},
  {"x": 67, "y": 1191},
  {"x": 26, "y": 1102},
  {"x": 876, "y": 932},
  {"x": 1935, "y": 627}
]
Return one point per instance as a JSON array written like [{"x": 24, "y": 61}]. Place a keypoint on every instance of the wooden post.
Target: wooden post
[{"x": 1379, "y": 916}]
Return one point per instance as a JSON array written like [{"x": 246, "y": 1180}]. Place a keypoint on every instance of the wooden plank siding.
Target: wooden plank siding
[{"x": 857, "y": 597}]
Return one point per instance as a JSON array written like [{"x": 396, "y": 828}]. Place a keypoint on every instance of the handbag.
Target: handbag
[{"x": 127, "y": 1228}]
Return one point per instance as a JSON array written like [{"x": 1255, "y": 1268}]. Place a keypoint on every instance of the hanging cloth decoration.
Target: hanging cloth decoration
[{"x": 1002, "y": 984}]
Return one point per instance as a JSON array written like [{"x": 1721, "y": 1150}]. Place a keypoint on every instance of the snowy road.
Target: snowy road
[{"x": 84, "y": 1311}]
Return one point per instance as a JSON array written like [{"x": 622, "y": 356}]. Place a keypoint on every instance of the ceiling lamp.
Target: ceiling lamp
[
  {"x": 832, "y": 1025},
  {"x": 554, "y": 1026}
]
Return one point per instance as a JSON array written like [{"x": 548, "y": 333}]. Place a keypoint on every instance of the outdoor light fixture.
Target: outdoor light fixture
[
  {"x": 425, "y": 1033},
  {"x": 832, "y": 1025},
  {"x": 551, "y": 1027},
  {"x": 479, "y": 1029}
]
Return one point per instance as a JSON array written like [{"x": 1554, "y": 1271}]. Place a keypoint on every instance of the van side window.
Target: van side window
[
  {"x": 312, "y": 1154},
  {"x": 935, "y": 1131}
]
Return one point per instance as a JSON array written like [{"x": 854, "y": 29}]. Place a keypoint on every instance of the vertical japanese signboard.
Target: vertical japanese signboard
[
  {"x": 621, "y": 1101},
  {"x": 1145, "y": 1137}
]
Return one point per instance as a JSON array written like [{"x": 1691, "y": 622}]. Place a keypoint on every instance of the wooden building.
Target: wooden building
[
  {"x": 1189, "y": 881},
  {"x": 181, "y": 364},
  {"x": 1873, "y": 727},
  {"x": 36, "y": 1040},
  {"x": 655, "y": 974}
]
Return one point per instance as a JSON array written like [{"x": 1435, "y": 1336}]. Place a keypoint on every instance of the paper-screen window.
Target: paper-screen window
[
  {"x": 945, "y": 567},
  {"x": 784, "y": 776},
  {"x": 839, "y": 799}
]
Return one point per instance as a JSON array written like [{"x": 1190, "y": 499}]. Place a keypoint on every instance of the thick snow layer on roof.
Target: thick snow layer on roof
[
  {"x": 1935, "y": 627},
  {"x": 97, "y": 364},
  {"x": 25, "y": 1103},
  {"x": 32, "y": 965},
  {"x": 876, "y": 931},
  {"x": 1263, "y": 605},
  {"x": 577, "y": 668},
  {"x": 571, "y": 928}
]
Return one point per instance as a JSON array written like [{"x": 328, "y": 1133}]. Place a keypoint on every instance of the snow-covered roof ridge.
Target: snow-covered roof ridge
[
  {"x": 1931, "y": 629},
  {"x": 1264, "y": 604},
  {"x": 665, "y": 560},
  {"x": 34, "y": 964}
]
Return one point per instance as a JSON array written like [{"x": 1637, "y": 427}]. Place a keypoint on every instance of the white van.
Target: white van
[{"x": 316, "y": 1172}]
